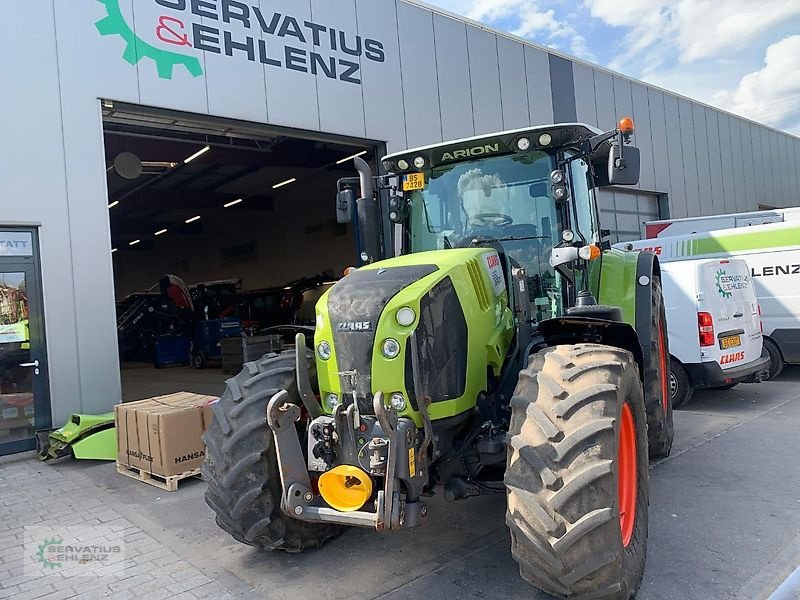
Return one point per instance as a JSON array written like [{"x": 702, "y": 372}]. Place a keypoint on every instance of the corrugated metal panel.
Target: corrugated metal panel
[
  {"x": 604, "y": 98},
  {"x": 704, "y": 183},
  {"x": 513, "y": 86},
  {"x": 454, "y": 83},
  {"x": 658, "y": 134},
  {"x": 727, "y": 173},
  {"x": 236, "y": 88},
  {"x": 537, "y": 71},
  {"x": 382, "y": 82},
  {"x": 715, "y": 165},
  {"x": 300, "y": 108},
  {"x": 341, "y": 103},
  {"x": 485, "y": 76},
  {"x": 420, "y": 82},
  {"x": 585, "y": 103},
  {"x": 689, "y": 155},
  {"x": 737, "y": 168},
  {"x": 745, "y": 162},
  {"x": 677, "y": 173},
  {"x": 562, "y": 88},
  {"x": 624, "y": 213},
  {"x": 644, "y": 136}
]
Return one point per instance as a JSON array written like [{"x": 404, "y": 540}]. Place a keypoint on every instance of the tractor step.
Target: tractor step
[{"x": 168, "y": 483}]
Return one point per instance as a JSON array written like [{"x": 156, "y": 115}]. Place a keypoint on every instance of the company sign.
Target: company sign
[
  {"x": 239, "y": 31},
  {"x": 16, "y": 244}
]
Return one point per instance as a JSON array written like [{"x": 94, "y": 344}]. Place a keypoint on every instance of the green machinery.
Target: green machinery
[
  {"x": 506, "y": 348},
  {"x": 85, "y": 437}
]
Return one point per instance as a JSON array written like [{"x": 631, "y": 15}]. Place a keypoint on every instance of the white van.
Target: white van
[
  {"x": 772, "y": 252},
  {"x": 713, "y": 325}
]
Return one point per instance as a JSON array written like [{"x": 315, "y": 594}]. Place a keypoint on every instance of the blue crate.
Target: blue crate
[{"x": 172, "y": 350}]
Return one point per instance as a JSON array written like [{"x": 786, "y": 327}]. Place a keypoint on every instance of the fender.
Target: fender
[
  {"x": 574, "y": 330},
  {"x": 647, "y": 265}
]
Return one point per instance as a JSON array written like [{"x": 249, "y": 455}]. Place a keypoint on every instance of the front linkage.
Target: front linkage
[{"x": 350, "y": 450}]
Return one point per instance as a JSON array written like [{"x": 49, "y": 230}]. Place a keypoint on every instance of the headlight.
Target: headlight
[
  {"x": 402, "y": 164},
  {"x": 324, "y": 350},
  {"x": 331, "y": 401},
  {"x": 523, "y": 143},
  {"x": 545, "y": 139},
  {"x": 398, "y": 402},
  {"x": 406, "y": 316},
  {"x": 391, "y": 348},
  {"x": 419, "y": 162}
]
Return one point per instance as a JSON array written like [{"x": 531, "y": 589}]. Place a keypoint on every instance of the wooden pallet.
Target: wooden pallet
[{"x": 168, "y": 483}]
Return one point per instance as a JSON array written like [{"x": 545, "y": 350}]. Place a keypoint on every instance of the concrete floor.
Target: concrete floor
[
  {"x": 142, "y": 380},
  {"x": 724, "y": 516}
]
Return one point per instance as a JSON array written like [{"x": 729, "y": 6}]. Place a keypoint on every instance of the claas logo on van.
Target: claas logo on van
[{"x": 731, "y": 358}]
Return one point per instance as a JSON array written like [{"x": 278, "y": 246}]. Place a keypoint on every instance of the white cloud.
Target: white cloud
[
  {"x": 770, "y": 95},
  {"x": 695, "y": 29}
]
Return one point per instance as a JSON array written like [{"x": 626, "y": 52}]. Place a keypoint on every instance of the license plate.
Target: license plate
[
  {"x": 413, "y": 181},
  {"x": 732, "y": 341}
]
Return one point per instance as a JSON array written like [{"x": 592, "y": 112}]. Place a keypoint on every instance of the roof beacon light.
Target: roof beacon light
[{"x": 626, "y": 127}]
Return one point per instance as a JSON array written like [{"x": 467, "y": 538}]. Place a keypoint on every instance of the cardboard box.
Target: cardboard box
[{"x": 163, "y": 435}]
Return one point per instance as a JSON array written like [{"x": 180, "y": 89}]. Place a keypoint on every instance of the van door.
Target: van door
[{"x": 727, "y": 293}]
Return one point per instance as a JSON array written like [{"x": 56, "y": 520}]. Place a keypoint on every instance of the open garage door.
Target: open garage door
[
  {"x": 220, "y": 229},
  {"x": 624, "y": 213}
]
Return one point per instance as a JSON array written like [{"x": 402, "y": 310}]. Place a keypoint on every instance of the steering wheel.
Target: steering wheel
[{"x": 494, "y": 219}]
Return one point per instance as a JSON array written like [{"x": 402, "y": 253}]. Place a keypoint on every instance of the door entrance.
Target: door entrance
[{"x": 24, "y": 398}]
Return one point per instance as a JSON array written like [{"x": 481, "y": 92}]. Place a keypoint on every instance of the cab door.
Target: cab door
[{"x": 24, "y": 397}]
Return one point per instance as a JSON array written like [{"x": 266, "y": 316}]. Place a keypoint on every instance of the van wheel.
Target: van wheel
[
  {"x": 776, "y": 362},
  {"x": 680, "y": 388}
]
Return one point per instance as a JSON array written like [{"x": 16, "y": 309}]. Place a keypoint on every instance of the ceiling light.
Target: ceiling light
[
  {"x": 234, "y": 203},
  {"x": 344, "y": 160},
  {"x": 283, "y": 183},
  {"x": 113, "y": 250},
  {"x": 161, "y": 232},
  {"x": 134, "y": 242},
  {"x": 197, "y": 154},
  {"x": 113, "y": 204},
  {"x": 192, "y": 220}
]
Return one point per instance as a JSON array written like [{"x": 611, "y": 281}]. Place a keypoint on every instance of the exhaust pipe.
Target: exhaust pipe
[{"x": 369, "y": 222}]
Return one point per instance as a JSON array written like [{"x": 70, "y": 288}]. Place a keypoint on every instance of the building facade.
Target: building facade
[{"x": 394, "y": 72}]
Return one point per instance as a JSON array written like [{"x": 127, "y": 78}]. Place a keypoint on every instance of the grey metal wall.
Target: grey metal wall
[{"x": 441, "y": 78}]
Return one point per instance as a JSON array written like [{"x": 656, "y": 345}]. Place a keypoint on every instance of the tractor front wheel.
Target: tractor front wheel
[
  {"x": 244, "y": 483},
  {"x": 577, "y": 476}
]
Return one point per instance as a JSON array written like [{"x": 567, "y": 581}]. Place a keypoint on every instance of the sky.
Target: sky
[{"x": 739, "y": 55}]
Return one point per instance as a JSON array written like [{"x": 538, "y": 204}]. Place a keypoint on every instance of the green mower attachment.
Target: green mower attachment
[{"x": 86, "y": 437}]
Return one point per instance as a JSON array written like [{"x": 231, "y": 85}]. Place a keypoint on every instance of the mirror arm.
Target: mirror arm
[{"x": 598, "y": 140}]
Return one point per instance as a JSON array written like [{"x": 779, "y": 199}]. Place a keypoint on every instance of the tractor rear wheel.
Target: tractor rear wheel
[
  {"x": 577, "y": 476},
  {"x": 244, "y": 483},
  {"x": 657, "y": 399}
]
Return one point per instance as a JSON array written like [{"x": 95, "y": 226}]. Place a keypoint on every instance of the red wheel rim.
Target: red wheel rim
[
  {"x": 664, "y": 375},
  {"x": 627, "y": 474}
]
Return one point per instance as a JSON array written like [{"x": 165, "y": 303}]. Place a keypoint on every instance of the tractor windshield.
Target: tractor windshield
[{"x": 504, "y": 199}]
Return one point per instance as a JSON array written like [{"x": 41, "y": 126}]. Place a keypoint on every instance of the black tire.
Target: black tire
[
  {"x": 244, "y": 484},
  {"x": 776, "y": 361},
  {"x": 680, "y": 386},
  {"x": 199, "y": 361},
  {"x": 657, "y": 401},
  {"x": 563, "y": 473}
]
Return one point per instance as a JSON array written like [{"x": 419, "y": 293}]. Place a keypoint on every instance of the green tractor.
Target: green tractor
[{"x": 506, "y": 348}]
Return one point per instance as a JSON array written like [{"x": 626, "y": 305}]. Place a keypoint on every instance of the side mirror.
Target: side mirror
[
  {"x": 623, "y": 165},
  {"x": 345, "y": 201}
]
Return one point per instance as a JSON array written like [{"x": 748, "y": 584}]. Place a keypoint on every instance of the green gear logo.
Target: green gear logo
[
  {"x": 137, "y": 48},
  {"x": 40, "y": 556},
  {"x": 722, "y": 292}
]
